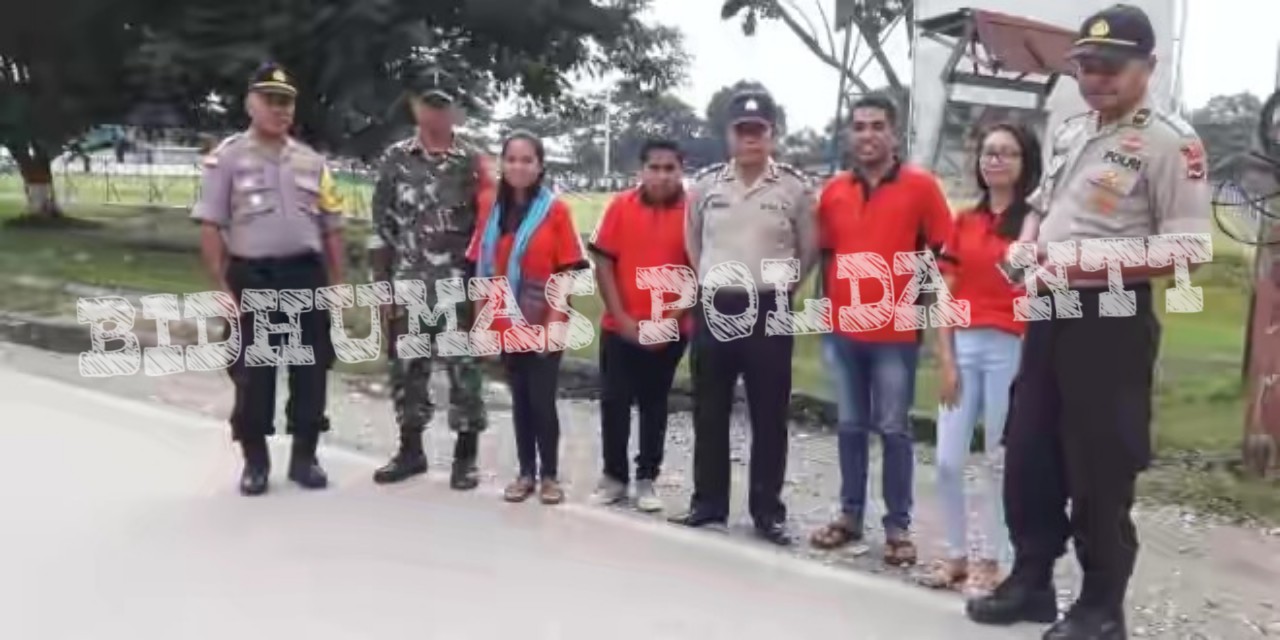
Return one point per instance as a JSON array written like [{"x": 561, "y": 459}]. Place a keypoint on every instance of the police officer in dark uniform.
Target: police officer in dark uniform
[
  {"x": 747, "y": 210},
  {"x": 271, "y": 220},
  {"x": 1079, "y": 424}
]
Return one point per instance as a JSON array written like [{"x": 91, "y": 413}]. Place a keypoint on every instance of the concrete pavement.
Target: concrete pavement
[{"x": 121, "y": 521}]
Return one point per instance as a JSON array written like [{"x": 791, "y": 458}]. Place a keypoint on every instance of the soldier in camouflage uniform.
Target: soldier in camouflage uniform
[{"x": 424, "y": 212}]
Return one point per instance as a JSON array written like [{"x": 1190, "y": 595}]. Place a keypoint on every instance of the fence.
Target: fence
[{"x": 101, "y": 179}]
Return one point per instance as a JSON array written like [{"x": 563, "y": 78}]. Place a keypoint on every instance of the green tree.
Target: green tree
[
  {"x": 634, "y": 117},
  {"x": 644, "y": 116},
  {"x": 68, "y": 64},
  {"x": 806, "y": 148},
  {"x": 1228, "y": 126},
  {"x": 61, "y": 65},
  {"x": 873, "y": 22}
]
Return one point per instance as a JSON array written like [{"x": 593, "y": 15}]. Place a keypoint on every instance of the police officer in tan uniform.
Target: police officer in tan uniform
[
  {"x": 1079, "y": 425},
  {"x": 271, "y": 219},
  {"x": 747, "y": 210}
]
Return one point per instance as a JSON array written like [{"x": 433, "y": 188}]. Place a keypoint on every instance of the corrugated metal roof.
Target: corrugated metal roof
[{"x": 1020, "y": 45}]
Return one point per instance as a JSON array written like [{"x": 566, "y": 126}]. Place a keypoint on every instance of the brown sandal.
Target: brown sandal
[
  {"x": 899, "y": 552},
  {"x": 551, "y": 493},
  {"x": 837, "y": 533},
  {"x": 519, "y": 490},
  {"x": 945, "y": 574}
]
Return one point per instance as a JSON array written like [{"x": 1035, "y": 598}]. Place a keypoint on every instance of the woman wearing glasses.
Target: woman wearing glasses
[{"x": 978, "y": 362}]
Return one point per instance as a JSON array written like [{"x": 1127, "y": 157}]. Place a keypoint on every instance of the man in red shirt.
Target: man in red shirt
[
  {"x": 643, "y": 227},
  {"x": 880, "y": 209}
]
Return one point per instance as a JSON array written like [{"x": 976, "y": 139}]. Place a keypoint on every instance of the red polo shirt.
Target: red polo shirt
[
  {"x": 635, "y": 234},
  {"x": 554, "y": 247},
  {"x": 906, "y": 212},
  {"x": 971, "y": 256}
]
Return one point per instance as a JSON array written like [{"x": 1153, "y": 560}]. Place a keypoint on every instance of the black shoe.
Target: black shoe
[
  {"x": 406, "y": 464},
  {"x": 775, "y": 533},
  {"x": 1014, "y": 601},
  {"x": 1084, "y": 623},
  {"x": 697, "y": 520},
  {"x": 308, "y": 474},
  {"x": 465, "y": 476},
  {"x": 254, "y": 480},
  {"x": 257, "y": 466}
]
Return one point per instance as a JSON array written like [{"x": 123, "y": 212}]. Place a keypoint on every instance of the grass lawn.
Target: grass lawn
[
  {"x": 1199, "y": 402},
  {"x": 179, "y": 192}
]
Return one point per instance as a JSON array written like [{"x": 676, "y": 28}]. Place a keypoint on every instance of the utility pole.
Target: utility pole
[
  {"x": 608, "y": 131},
  {"x": 844, "y": 20}
]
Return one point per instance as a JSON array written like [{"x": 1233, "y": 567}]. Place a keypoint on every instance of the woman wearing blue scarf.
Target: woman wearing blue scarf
[{"x": 527, "y": 235}]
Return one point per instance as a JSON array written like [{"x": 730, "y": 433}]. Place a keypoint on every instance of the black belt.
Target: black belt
[{"x": 300, "y": 259}]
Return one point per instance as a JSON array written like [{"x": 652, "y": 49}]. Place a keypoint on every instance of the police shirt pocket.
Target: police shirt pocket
[
  {"x": 251, "y": 194},
  {"x": 308, "y": 189},
  {"x": 1108, "y": 187},
  {"x": 781, "y": 229}
]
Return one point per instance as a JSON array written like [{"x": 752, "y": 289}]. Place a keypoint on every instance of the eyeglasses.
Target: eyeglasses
[{"x": 1001, "y": 156}]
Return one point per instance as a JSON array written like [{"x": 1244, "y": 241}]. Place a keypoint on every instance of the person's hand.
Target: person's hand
[
  {"x": 226, "y": 288},
  {"x": 949, "y": 393},
  {"x": 629, "y": 329}
]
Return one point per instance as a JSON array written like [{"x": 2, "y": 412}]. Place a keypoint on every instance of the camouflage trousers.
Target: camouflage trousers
[{"x": 411, "y": 379}]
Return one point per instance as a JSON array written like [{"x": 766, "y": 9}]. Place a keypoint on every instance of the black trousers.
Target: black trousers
[
  {"x": 630, "y": 374},
  {"x": 1078, "y": 435},
  {"x": 253, "y": 415},
  {"x": 532, "y": 378},
  {"x": 764, "y": 364}
]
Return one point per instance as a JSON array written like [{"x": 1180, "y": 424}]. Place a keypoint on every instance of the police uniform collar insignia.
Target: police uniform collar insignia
[
  {"x": 1100, "y": 29},
  {"x": 1142, "y": 117},
  {"x": 771, "y": 173}
]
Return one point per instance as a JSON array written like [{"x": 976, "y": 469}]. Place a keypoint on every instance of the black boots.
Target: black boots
[
  {"x": 1089, "y": 623},
  {"x": 410, "y": 461},
  {"x": 303, "y": 467},
  {"x": 465, "y": 475},
  {"x": 1020, "y": 598},
  {"x": 257, "y": 467}
]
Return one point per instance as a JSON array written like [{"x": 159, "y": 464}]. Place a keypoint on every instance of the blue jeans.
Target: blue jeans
[
  {"x": 986, "y": 361},
  {"x": 875, "y": 388}
]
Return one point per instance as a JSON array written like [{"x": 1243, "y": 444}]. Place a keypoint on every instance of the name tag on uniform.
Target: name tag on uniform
[
  {"x": 717, "y": 203},
  {"x": 775, "y": 206},
  {"x": 1133, "y": 163}
]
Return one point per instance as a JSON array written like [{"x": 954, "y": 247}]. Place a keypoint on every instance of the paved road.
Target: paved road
[{"x": 120, "y": 520}]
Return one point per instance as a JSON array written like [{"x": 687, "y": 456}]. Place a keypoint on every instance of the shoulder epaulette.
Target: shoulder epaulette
[
  {"x": 794, "y": 171},
  {"x": 1178, "y": 124},
  {"x": 709, "y": 170},
  {"x": 211, "y": 159},
  {"x": 1073, "y": 118},
  {"x": 306, "y": 148}
]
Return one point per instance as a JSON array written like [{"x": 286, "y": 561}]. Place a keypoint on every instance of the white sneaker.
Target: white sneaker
[
  {"x": 609, "y": 492},
  {"x": 647, "y": 499}
]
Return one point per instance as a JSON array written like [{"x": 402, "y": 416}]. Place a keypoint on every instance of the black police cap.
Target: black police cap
[
  {"x": 272, "y": 78},
  {"x": 753, "y": 106},
  {"x": 1119, "y": 33}
]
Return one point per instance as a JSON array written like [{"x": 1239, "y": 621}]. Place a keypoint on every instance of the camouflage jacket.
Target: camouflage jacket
[{"x": 425, "y": 207}]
